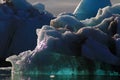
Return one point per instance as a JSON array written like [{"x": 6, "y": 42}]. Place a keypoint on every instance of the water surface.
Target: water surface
[{"x": 5, "y": 74}]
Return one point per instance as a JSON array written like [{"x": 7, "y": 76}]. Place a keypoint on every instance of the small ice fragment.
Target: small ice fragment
[{"x": 52, "y": 76}]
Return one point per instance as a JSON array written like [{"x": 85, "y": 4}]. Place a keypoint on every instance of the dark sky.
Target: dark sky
[{"x": 58, "y": 6}]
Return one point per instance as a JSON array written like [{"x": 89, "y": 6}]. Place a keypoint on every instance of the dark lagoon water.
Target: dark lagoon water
[{"x": 5, "y": 74}]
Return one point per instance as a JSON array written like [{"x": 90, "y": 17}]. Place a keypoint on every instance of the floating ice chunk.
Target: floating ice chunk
[
  {"x": 88, "y": 8},
  {"x": 55, "y": 51},
  {"x": 44, "y": 56},
  {"x": 53, "y": 47}
]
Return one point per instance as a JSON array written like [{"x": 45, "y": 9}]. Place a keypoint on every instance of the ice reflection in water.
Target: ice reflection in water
[
  {"x": 47, "y": 77},
  {"x": 5, "y": 74}
]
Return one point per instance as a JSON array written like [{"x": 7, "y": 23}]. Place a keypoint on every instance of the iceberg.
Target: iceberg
[
  {"x": 67, "y": 45},
  {"x": 19, "y": 21},
  {"x": 101, "y": 19},
  {"x": 57, "y": 52},
  {"x": 88, "y": 8}
]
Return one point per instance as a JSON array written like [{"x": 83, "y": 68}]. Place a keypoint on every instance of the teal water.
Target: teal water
[
  {"x": 5, "y": 74},
  {"x": 44, "y": 77}
]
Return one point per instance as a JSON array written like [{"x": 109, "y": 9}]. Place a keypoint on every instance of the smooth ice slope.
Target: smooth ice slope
[{"x": 89, "y": 8}]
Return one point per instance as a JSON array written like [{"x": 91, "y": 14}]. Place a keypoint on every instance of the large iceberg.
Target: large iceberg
[
  {"x": 65, "y": 47},
  {"x": 59, "y": 53},
  {"x": 18, "y": 23}
]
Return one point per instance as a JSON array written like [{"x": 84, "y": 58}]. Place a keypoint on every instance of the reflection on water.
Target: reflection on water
[
  {"x": 65, "y": 78},
  {"x": 46, "y": 77},
  {"x": 5, "y": 74}
]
